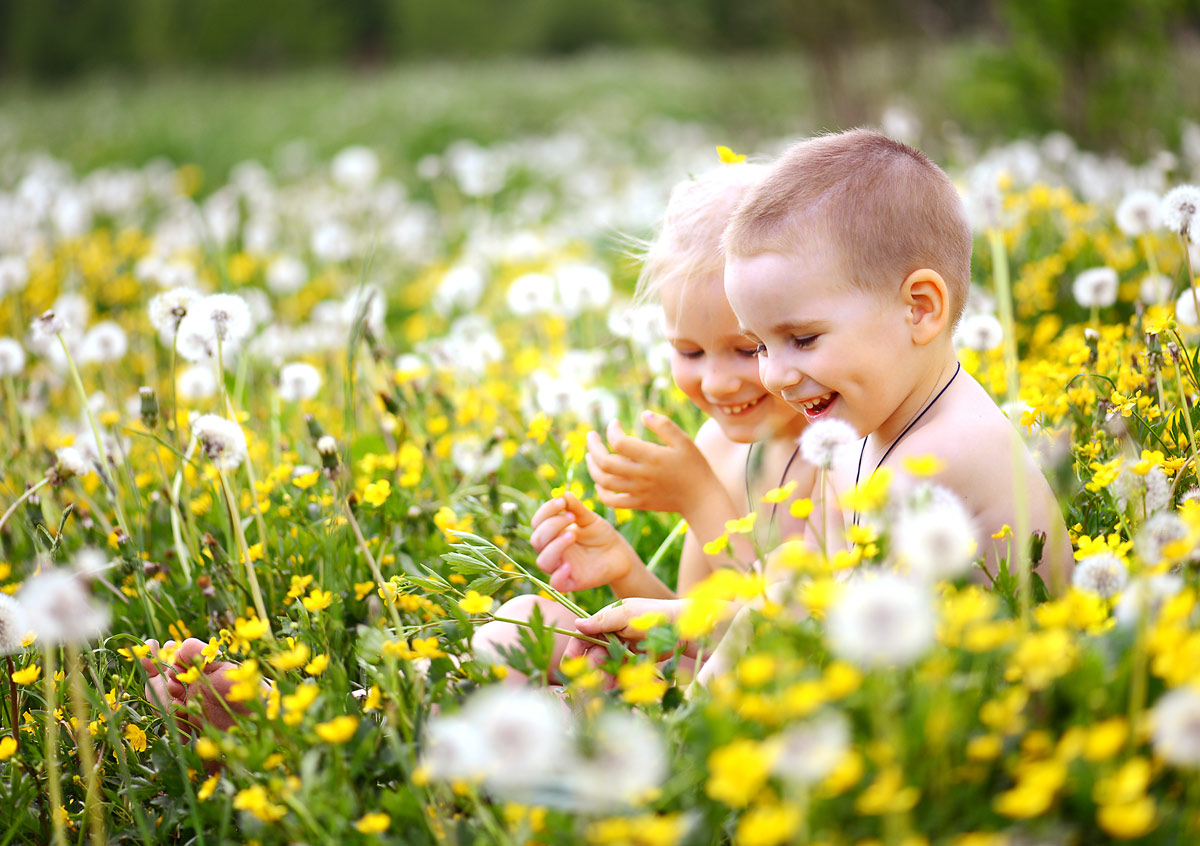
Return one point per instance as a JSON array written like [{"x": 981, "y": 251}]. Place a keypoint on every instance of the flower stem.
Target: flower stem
[
  {"x": 236, "y": 518},
  {"x": 1186, "y": 405},
  {"x": 24, "y": 496},
  {"x": 16, "y": 708},
  {"x": 83, "y": 745},
  {"x": 371, "y": 562},
  {"x": 53, "y": 785}
]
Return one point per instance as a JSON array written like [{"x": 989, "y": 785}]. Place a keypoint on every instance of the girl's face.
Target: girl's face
[{"x": 716, "y": 367}]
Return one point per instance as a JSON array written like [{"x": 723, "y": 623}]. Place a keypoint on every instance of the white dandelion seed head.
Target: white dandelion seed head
[
  {"x": 882, "y": 620},
  {"x": 809, "y": 752},
  {"x": 454, "y": 749},
  {"x": 627, "y": 760},
  {"x": 1146, "y": 593},
  {"x": 1139, "y": 213},
  {"x": 1176, "y": 727},
  {"x": 980, "y": 332},
  {"x": 298, "y": 381},
  {"x": 1179, "y": 208},
  {"x": 1185, "y": 308},
  {"x": 60, "y": 610},
  {"x": 530, "y": 293},
  {"x": 69, "y": 462},
  {"x": 460, "y": 290},
  {"x": 196, "y": 382},
  {"x": 355, "y": 168},
  {"x": 1158, "y": 491},
  {"x": 1103, "y": 574},
  {"x": 823, "y": 442},
  {"x": 105, "y": 342},
  {"x": 1155, "y": 534},
  {"x": 582, "y": 287},
  {"x": 48, "y": 325},
  {"x": 223, "y": 440},
  {"x": 524, "y": 733},
  {"x": 12, "y": 357},
  {"x": 366, "y": 303},
  {"x": 332, "y": 241},
  {"x": 14, "y": 274},
  {"x": 167, "y": 310},
  {"x": 14, "y": 625},
  {"x": 936, "y": 542},
  {"x": 1096, "y": 287},
  {"x": 286, "y": 275},
  {"x": 89, "y": 562},
  {"x": 473, "y": 460},
  {"x": 1154, "y": 289},
  {"x": 229, "y": 316},
  {"x": 194, "y": 340}
]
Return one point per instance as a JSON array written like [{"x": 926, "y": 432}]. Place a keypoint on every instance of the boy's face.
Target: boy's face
[
  {"x": 827, "y": 349},
  {"x": 716, "y": 367}
]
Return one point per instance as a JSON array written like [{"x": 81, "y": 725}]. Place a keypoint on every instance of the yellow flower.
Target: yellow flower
[
  {"x": 318, "y": 600},
  {"x": 781, "y": 494},
  {"x": 1105, "y": 739},
  {"x": 337, "y": 730},
  {"x": 728, "y": 156},
  {"x": 767, "y": 825},
  {"x": 373, "y": 823},
  {"x": 801, "y": 509},
  {"x": 450, "y": 524},
  {"x": 738, "y": 771},
  {"x": 8, "y": 747},
  {"x": 427, "y": 647},
  {"x": 291, "y": 659},
  {"x": 27, "y": 676},
  {"x": 887, "y": 794},
  {"x": 923, "y": 465},
  {"x": 1128, "y": 819},
  {"x": 361, "y": 589},
  {"x": 640, "y": 683},
  {"x": 742, "y": 525},
  {"x": 871, "y": 494},
  {"x": 257, "y": 801},
  {"x": 373, "y": 699},
  {"x": 209, "y": 787},
  {"x": 376, "y": 493},
  {"x": 135, "y": 737},
  {"x": 306, "y": 480},
  {"x": 475, "y": 603},
  {"x": 207, "y": 749},
  {"x": 717, "y": 545},
  {"x": 317, "y": 665},
  {"x": 250, "y": 629},
  {"x": 539, "y": 427},
  {"x": 189, "y": 676}
]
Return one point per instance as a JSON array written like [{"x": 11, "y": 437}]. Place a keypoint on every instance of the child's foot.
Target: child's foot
[{"x": 164, "y": 689}]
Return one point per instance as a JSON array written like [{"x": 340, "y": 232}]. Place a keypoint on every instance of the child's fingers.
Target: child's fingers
[
  {"x": 595, "y": 444},
  {"x": 148, "y": 662},
  {"x": 551, "y": 558},
  {"x": 666, "y": 429},
  {"x": 190, "y": 652},
  {"x": 549, "y": 530},
  {"x": 615, "y": 499},
  {"x": 613, "y": 432},
  {"x": 563, "y": 579},
  {"x": 612, "y": 620},
  {"x": 584, "y": 516},
  {"x": 547, "y": 510}
]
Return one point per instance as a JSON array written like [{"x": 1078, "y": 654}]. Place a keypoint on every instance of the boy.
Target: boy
[{"x": 848, "y": 265}]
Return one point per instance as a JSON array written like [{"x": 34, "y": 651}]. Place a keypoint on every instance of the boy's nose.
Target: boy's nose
[{"x": 776, "y": 374}]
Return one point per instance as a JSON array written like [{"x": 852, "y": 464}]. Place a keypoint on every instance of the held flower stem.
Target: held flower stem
[{"x": 236, "y": 518}]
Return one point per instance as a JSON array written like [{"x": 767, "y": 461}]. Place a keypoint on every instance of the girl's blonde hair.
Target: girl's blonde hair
[{"x": 688, "y": 245}]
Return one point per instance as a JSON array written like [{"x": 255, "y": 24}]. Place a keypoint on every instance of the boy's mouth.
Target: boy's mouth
[
  {"x": 816, "y": 407},
  {"x": 734, "y": 410}
]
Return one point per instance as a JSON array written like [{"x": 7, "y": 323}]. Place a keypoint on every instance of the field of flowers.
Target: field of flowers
[{"x": 306, "y": 415}]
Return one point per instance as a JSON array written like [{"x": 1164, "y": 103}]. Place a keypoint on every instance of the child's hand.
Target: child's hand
[
  {"x": 164, "y": 689},
  {"x": 576, "y": 547},
  {"x": 615, "y": 620},
  {"x": 646, "y": 476}
]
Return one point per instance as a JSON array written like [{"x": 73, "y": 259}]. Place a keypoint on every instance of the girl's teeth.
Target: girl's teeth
[{"x": 738, "y": 409}]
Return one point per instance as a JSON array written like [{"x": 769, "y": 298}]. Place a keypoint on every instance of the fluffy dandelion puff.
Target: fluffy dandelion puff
[
  {"x": 1103, "y": 574},
  {"x": 1154, "y": 289},
  {"x": 1176, "y": 722},
  {"x": 222, "y": 440},
  {"x": 60, "y": 610},
  {"x": 298, "y": 381},
  {"x": 1146, "y": 593},
  {"x": 936, "y": 542},
  {"x": 1138, "y": 213},
  {"x": 454, "y": 750},
  {"x": 531, "y": 293},
  {"x": 104, "y": 342},
  {"x": 809, "y": 752},
  {"x": 1158, "y": 532},
  {"x": 460, "y": 289},
  {"x": 229, "y": 316},
  {"x": 980, "y": 332},
  {"x": 882, "y": 621},
  {"x": 327, "y": 445},
  {"x": 628, "y": 760},
  {"x": 167, "y": 310},
  {"x": 355, "y": 168},
  {"x": 1185, "y": 308},
  {"x": 14, "y": 625},
  {"x": 1095, "y": 287},
  {"x": 47, "y": 325},
  {"x": 69, "y": 462},
  {"x": 823, "y": 441},
  {"x": 1179, "y": 208},
  {"x": 12, "y": 357},
  {"x": 524, "y": 732},
  {"x": 196, "y": 382},
  {"x": 14, "y": 274},
  {"x": 472, "y": 460},
  {"x": 582, "y": 287},
  {"x": 286, "y": 275}
]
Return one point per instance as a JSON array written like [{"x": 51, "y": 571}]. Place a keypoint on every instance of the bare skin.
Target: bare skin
[{"x": 164, "y": 690}]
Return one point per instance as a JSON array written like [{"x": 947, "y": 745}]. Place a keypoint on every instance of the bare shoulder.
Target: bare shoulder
[{"x": 727, "y": 458}]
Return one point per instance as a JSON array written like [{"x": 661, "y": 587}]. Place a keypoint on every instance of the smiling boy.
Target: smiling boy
[{"x": 849, "y": 266}]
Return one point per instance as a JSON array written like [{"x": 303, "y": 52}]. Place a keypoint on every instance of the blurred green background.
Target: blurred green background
[{"x": 215, "y": 81}]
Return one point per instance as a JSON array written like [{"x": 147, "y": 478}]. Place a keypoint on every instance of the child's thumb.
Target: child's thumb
[{"x": 584, "y": 516}]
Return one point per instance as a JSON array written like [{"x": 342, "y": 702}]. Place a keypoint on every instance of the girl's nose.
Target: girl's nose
[{"x": 718, "y": 381}]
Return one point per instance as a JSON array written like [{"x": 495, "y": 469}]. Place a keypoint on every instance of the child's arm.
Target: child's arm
[
  {"x": 674, "y": 476},
  {"x": 580, "y": 550}
]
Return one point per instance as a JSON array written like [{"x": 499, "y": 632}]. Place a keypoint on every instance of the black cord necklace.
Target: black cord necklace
[
  {"x": 782, "y": 478},
  {"x": 892, "y": 446}
]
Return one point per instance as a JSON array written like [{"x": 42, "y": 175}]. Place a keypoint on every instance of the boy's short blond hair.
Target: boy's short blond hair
[
  {"x": 882, "y": 206},
  {"x": 688, "y": 244}
]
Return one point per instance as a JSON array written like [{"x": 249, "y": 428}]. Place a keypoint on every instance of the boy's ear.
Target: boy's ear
[{"x": 927, "y": 299}]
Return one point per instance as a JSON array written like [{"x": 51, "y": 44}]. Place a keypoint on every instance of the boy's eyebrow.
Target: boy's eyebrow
[{"x": 791, "y": 327}]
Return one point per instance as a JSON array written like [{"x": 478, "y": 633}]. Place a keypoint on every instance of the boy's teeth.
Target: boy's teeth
[{"x": 817, "y": 401}]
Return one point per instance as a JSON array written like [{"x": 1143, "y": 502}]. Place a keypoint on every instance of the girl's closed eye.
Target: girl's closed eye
[
  {"x": 750, "y": 352},
  {"x": 690, "y": 353},
  {"x": 804, "y": 343}
]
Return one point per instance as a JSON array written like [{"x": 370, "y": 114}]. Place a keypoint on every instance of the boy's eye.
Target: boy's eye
[
  {"x": 760, "y": 350},
  {"x": 804, "y": 343}
]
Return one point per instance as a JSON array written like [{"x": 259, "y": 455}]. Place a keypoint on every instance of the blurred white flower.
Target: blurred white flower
[
  {"x": 1146, "y": 592},
  {"x": 628, "y": 760},
  {"x": 980, "y": 332},
  {"x": 1103, "y": 574},
  {"x": 196, "y": 382},
  {"x": 228, "y": 314},
  {"x": 555, "y": 396},
  {"x": 12, "y": 357},
  {"x": 1176, "y": 726},
  {"x": 1179, "y": 208},
  {"x": 69, "y": 462},
  {"x": 1155, "y": 534},
  {"x": 14, "y": 625},
  {"x": 89, "y": 562},
  {"x": 366, "y": 302},
  {"x": 14, "y": 274},
  {"x": 597, "y": 405},
  {"x": 168, "y": 309},
  {"x": 935, "y": 542},
  {"x": 223, "y": 440},
  {"x": 332, "y": 241},
  {"x": 454, "y": 749},
  {"x": 882, "y": 620},
  {"x": 1096, "y": 287},
  {"x": 1185, "y": 308},
  {"x": 47, "y": 326},
  {"x": 355, "y": 168},
  {"x": 472, "y": 460},
  {"x": 1154, "y": 289},
  {"x": 524, "y": 731},
  {"x": 582, "y": 287},
  {"x": 823, "y": 442},
  {"x": 1138, "y": 213},
  {"x": 809, "y": 752},
  {"x": 530, "y": 293},
  {"x": 286, "y": 275},
  {"x": 104, "y": 342},
  {"x": 60, "y": 610},
  {"x": 298, "y": 381},
  {"x": 460, "y": 290}
]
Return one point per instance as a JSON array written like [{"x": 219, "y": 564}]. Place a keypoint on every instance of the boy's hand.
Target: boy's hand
[
  {"x": 646, "y": 476},
  {"x": 164, "y": 689},
  {"x": 576, "y": 547},
  {"x": 615, "y": 620}
]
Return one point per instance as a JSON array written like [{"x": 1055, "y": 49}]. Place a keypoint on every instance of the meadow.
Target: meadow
[{"x": 296, "y": 390}]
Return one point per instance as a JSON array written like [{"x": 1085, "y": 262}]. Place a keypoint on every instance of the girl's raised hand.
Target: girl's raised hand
[
  {"x": 578, "y": 548},
  {"x": 634, "y": 473}
]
